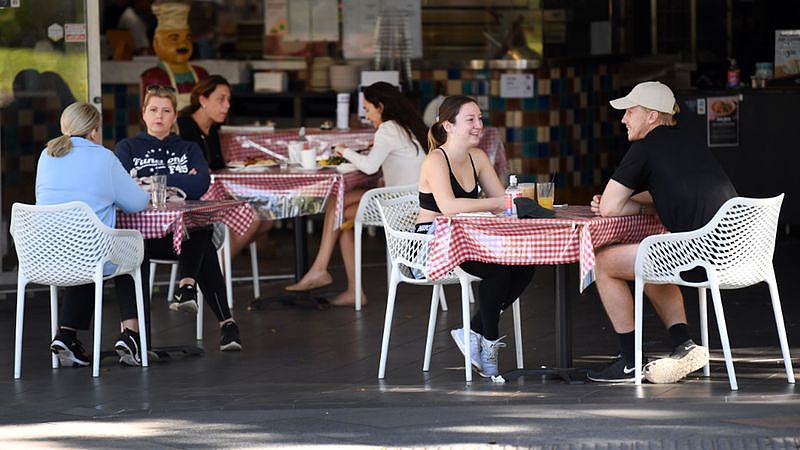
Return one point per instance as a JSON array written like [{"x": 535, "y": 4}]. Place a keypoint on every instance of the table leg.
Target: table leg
[
  {"x": 563, "y": 338},
  {"x": 300, "y": 248}
]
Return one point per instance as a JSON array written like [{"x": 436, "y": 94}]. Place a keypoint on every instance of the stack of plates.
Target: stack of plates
[{"x": 344, "y": 78}]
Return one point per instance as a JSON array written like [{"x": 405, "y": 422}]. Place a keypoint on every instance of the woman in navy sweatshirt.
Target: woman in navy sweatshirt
[{"x": 160, "y": 151}]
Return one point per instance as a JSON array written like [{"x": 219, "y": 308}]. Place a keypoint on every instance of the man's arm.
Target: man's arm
[{"x": 617, "y": 200}]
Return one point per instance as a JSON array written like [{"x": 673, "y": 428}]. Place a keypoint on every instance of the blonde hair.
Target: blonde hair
[
  {"x": 78, "y": 120},
  {"x": 669, "y": 119},
  {"x": 162, "y": 92}
]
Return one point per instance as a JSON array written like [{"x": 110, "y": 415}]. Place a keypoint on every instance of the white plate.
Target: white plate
[{"x": 346, "y": 167}]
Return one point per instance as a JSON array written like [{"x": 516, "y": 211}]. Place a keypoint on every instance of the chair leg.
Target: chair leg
[
  {"x": 199, "y": 332},
  {"x": 723, "y": 335},
  {"x": 387, "y": 323},
  {"x": 426, "y": 365},
  {"x": 357, "y": 231},
  {"x": 18, "y": 334},
  {"x": 637, "y": 330},
  {"x": 137, "y": 283},
  {"x": 53, "y": 322},
  {"x": 442, "y": 298},
  {"x": 471, "y": 294},
  {"x": 173, "y": 280},
  {"x": 777, "y": 311},
  {"x": 254, "y": 270},
  {"x": 226, "y": 248},
  {"x": 703, "y": 303},
  {"x": 465, "y": 319},
  {"x": 518, "y": 333},
  {"x": 152, "y": 279},
  {"x": 98, "y": 321}
]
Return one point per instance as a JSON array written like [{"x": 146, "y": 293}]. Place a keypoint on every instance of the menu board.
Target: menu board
[
  {"x": 723, "y": 121},
  {"x": 787, "y": 53}
]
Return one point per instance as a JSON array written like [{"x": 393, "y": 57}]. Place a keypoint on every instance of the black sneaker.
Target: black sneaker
[
  {"x": 685, "y": 359},
  {"x": 70, "y": 351},
  {"x": 616, "y": 372},
  {"x": 127, "y": 347},
  {"x": 185, "y": 299},
  {"x": 229, "y": 338}
]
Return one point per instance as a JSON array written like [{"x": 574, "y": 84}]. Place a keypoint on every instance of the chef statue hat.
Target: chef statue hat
[{"x": 171, "y": 15}]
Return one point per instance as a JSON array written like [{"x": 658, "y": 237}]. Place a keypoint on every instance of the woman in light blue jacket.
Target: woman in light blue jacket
[{"x": 76, "y": 167}]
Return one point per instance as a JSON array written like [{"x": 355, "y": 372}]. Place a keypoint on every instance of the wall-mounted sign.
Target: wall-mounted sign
[
  {"x": 787, "y": 53},
  {"x": 74, "y": 32},
  {"x": 516, "y": 85},
  {"x": 723, "y": 121},
  {"x": 55, "y": 32},
  {"x": 9, "y": 3}
]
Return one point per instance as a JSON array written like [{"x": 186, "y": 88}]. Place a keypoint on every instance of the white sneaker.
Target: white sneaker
[
  {"x": 489, "y": 356},
  {"x": 474, "y": 346}
]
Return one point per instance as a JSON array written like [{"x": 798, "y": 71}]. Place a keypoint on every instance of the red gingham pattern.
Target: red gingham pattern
[
  {"x": 287, "y": 184},
  {"x": 278, "y": 141},
  {"x": 570, "y": 237},
  {"x": 232, "y": 150},
  {"x": 176, "y": 218}
]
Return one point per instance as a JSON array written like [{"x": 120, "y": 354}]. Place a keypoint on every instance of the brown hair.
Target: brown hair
[
  {"x": 78, "y": 120},
  {"x": 448, "y": 111},
  {"x": 203, "y": 88}
]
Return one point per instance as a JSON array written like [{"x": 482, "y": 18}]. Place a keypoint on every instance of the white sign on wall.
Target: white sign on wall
[{"x": 516, "y": 85}]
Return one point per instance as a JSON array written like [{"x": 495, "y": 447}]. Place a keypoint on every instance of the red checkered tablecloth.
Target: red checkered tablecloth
[
  {"x": 570, "y": 237},
  {"x": 235, "y": 143},
  {"x": 176, "y": 218},
  {"x": 281, "y": 194}
]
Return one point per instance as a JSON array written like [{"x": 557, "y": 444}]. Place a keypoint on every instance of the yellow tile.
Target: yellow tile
[
  {"x": 543, "y": 87},
  {"x": 453, "y": 87},
  {"x": 555, "y": 73},
  {"x": 543, "y": 134},
  {"x": 439, "y": 75},
  {"x": 555, "y": 118}
]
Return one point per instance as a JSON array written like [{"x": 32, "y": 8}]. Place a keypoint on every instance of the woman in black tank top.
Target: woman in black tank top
[{"x": 449, "y": 184}]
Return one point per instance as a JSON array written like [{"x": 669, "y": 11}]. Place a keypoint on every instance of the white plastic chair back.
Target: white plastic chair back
[
  {"x": 368, "y": 215},
  {"x": 409, "y": 250},
  {"x": 735, "y": 248},
  {"x": 68, "y": 245}
]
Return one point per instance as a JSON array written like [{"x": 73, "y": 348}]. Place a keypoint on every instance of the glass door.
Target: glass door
[{"x": 49, "y": 58}]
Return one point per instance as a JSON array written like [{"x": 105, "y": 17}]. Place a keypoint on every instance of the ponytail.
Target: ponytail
[
  {"x": 59, "y": 146},
  {"x": 78, "y": 119},
  {"x": 436, "y": 136}
]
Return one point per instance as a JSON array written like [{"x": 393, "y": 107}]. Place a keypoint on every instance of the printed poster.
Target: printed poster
[{"x": 723, "y": 121}]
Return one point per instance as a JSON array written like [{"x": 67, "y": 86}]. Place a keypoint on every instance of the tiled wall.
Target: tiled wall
[{"x": 567, "y": 127}]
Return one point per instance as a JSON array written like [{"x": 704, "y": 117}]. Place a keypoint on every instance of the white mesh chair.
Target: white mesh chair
[
  {"x": 735, "y": 248},
  {"x": 68, "y": 245},
  {"x": 368, "y": 215},
  {"x": 408, "y": 250}
]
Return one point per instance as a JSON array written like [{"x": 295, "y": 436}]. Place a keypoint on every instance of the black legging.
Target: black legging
[
  {"x": 198, "y": 260},
  {"x": 499, "y": 288}
]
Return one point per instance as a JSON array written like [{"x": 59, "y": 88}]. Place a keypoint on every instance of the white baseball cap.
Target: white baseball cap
[{"x": 651, "y": 95}]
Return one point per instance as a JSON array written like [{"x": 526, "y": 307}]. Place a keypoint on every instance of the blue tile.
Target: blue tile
[
  {"x": 528, "y": 104},
  {"x": 497, "y": 103},
  {"x": 555, "y": 133},
  {"x": 467, "y": 87},
  {"x": 529, "y": 134},
  {"x": 544, "y": 103},
  {"x": 544, "y": 150},
  {"x": 453, "y": 74},
  {"x": 529, "y": 149}
]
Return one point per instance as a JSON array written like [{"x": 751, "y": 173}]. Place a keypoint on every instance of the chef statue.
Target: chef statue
[{"x": 172, "y": 44}]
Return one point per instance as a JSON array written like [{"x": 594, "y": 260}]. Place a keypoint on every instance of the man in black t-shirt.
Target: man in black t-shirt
[{"x": 666, "y": 173}]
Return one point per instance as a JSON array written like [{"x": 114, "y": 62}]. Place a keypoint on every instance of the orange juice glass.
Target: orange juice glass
[{"x": 545, "y": 192}]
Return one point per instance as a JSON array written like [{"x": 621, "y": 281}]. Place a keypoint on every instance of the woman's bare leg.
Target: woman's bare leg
[
  {"x": 239, "y": 242},
  {"x": 348, "y": 249},
  {"x": 318, "y": 276}
]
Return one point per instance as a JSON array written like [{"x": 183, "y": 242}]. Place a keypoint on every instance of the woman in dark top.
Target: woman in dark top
[
  {"x": 158, "y": 150},
  {"x": 448, "y": 184},
  {"x": 199, "y": 123}
]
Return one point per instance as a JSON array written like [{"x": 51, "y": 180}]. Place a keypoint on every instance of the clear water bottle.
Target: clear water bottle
[{"x": 512, "y": 191}]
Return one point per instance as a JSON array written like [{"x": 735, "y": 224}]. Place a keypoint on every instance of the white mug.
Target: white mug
[
  {"x": 295, "y": 147},
  {"x": 308, "y": 159}
]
